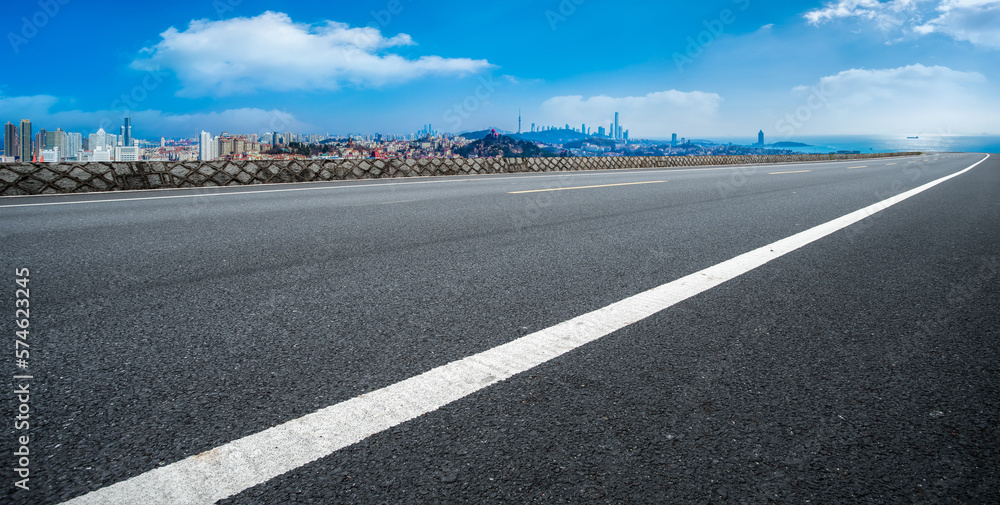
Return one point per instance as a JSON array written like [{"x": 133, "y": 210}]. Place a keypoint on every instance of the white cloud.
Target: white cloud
[
  {"x": 974, "y": 21},
  {"x": 914, "y": 98},
  {"x": 38, "y": 109},
  {"x": 889, "y": 13},
  {"x": 653, "y": 115},
  {"x": 271, "y": 52}
]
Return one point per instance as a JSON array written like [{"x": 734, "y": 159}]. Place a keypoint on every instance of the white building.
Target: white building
[
  {"x": 50, "y": 155},
  {"x": 99, "y": 139},
  {"x": 208, "y": 147},
  {"x": 99, "y": 154},
  {"x": 127, "y": 153}
]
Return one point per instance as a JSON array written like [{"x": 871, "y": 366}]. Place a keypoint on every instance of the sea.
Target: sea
[{"x": 883, "y": 143}]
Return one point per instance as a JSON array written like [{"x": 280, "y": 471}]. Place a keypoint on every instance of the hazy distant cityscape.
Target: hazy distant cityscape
[{"x": 23, "y": 144}]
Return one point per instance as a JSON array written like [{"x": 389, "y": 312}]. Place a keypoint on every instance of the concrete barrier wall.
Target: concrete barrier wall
[{"x": 44, "y": 178}]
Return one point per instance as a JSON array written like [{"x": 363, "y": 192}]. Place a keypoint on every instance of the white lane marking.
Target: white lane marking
[
  {"x": 241, "y": 464},
  {"x": 347, "y": 185}
]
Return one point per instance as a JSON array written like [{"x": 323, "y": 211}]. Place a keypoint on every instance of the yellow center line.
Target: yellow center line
[
  {"x": 862, "y": 166},
  {"x": 793, "y": 172},
  {"x": 583, "y": 187}
]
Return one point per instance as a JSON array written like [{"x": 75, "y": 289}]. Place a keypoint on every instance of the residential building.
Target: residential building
[
  {"x": 10, "y": 140},
  {"x": 24, "y": 142},
  {"x": 207, "y": 147}
]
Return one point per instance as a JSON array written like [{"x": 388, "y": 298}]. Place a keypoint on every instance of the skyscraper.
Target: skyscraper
[
  {"x": 617, "y": 130},
  {"x": 40, "y": 139},
  {"x": 205, "y": 148},
  {"x": 25, "y": 142},
  {"x": 673, "y": 139},
  {"x": 760, "y": 138},
  {"x": 98, "y": 140},
  {"x": 74, "y": 144},
  {"x": 10, "y": 140},
  {"x": 126, "y": 136},
  {"x": 56, "y": 139}
]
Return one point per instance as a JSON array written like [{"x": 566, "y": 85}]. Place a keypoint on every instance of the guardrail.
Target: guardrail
[{"x": 70, "y": 177}]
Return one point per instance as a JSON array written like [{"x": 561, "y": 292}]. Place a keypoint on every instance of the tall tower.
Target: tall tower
[
  {"x": 617, "y": 130},
  {"x": 519, "y": 121},
  {"x": 760, "y": 138},
  {"x": 126, "y": 136},
  {"x": 40, "y": 143},
  {"x": 205, "y": 146},
  {"x": 25, "y": 143},
  {"x": 10, "y": 140}
]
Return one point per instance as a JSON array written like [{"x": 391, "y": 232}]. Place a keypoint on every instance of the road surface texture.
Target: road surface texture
[{"x": 861, "y": 367}]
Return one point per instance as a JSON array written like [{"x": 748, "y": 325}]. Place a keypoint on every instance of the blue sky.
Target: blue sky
[{"x": 701, "y": 69}]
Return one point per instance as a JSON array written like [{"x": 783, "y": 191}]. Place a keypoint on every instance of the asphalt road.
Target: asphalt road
[{"x": 861, "y": 368}]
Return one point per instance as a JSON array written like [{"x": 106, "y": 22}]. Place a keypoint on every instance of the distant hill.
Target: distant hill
[
  {"x": 790, "y": 144},
  {"x": 483, "y": 133},
  {"x": 503, "y": 145}
]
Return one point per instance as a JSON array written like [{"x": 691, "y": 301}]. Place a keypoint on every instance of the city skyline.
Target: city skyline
[{"x": 718, "y": 69}]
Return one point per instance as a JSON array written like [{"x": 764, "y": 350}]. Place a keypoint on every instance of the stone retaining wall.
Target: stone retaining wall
[{"x": 43, "y": 178}]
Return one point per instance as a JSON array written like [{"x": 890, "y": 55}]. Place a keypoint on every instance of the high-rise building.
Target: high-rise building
[
  {"x": 583, "y": 128},
  {"x": 74, "y": 144},
  {"x": 57, "y": 139},
  {"x": 24, "y": 143},
  {"x": 760, "y": 138},
  {"x": 206, "y": 146},
  {"x": 617, "y": 130},
  {"x": 673, "y": 140},
  {"x": 98, "y": 140},
  {"x": 10, "y": 140},
  {"x": 126, "y": 136},
  {"x": 600, "y": 131},
  {"x": 40, "y": 138}
]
